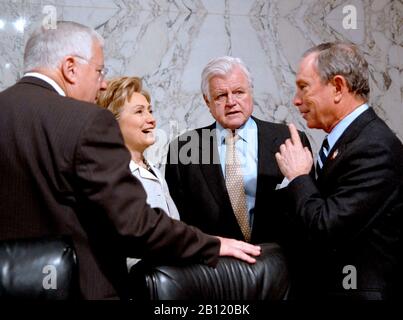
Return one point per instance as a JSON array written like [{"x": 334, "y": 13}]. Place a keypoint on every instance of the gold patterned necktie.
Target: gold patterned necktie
[{"x": 235, "y": 185}]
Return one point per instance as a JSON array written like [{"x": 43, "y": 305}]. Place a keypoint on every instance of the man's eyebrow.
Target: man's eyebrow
[{"x": 219, "y": 91}]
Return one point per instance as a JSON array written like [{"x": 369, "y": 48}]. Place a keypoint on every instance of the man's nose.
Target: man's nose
[
  {"x": 103, "y": 84},
  {"x": 297, "y": 101},
  {"x": 230, "y": 99}
]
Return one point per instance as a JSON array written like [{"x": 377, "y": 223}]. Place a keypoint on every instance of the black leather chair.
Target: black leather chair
[
  {"x": 231, "y": 279},
  {"x": 38, "y": 269}
]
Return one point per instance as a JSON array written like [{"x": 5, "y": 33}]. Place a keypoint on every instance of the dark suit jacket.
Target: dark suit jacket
[
  {"x": 354, "y": 211},
  {"x": 65, "y": 170},
  {"x": 199, "y": 191}
]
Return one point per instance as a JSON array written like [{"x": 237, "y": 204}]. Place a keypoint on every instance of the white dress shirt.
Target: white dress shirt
[
  {"x": 158, "y": 195},
  {"x": 46, "y": 79}
]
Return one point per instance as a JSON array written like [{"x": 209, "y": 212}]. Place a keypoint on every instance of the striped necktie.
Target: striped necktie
[{"x": 323, "y": 153}]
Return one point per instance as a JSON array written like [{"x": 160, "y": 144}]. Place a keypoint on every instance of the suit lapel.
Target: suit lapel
[
  {"x": 352, "y": 131},
  {"x": 212, "y": 171},
  {"x": 268, "y": 145}
]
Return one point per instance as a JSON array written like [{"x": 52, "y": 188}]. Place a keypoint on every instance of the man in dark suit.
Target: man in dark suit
[
  {"x": 353, "y": 210},
  {"x": 197, "y": 161},
  {"x": 65, "y": 169}
]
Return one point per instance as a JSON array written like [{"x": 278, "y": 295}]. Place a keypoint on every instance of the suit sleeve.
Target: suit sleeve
[
  {"x": 115, "y": 202},
  {"x": 366, "y": 187}
]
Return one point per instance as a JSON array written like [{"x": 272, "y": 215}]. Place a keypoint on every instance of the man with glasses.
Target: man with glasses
[
  {"x": 65, "y": 170},
  {"x": 102, "y": 70}
]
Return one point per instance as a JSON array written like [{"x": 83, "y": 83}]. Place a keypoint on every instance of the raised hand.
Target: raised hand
[{"x": 294, "y": 159}]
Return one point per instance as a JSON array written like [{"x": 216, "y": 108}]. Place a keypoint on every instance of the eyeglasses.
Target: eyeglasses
[{"x": 102, "y": 71}]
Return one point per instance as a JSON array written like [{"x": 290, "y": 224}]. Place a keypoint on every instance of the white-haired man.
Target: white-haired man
[{"x": 200, "y": 167}]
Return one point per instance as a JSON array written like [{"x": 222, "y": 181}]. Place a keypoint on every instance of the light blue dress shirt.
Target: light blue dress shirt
[
  {"x": 247, "y": 148},
  {"x": 338, "y": 130}
]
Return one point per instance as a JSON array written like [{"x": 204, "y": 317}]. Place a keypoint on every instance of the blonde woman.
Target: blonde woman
[{"x": 131, "y": 106}]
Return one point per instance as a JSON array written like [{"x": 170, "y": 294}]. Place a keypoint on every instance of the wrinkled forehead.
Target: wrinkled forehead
[{"x": 235, "y": 77}]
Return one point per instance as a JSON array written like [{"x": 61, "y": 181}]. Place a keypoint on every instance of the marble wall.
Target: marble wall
[{"x": 168, "y": 42}]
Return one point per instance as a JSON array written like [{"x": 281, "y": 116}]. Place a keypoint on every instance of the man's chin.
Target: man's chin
[
  {"x": 233, "y": 125},
  {"x": 312, "y": 125}
]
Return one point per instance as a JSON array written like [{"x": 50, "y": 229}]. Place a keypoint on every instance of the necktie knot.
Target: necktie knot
[
  {"x": 231, "y": 155},
  {"x": 325, "y": 145},
  {"x": 231, "y": 138}
]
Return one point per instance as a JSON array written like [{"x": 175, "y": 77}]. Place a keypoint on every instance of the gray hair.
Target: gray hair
[
  {"x": 47, "y": 47},
  {"x": 345, "y": 59},
  {"x": 219, "y": 67}
]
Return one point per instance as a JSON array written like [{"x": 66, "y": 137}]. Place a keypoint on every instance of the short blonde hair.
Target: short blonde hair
[{"x": 118, "y": 91}]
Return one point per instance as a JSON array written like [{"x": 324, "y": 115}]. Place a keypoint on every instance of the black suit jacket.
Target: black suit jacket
[
  {"x": 198, "y": 186},
  {"x": 354, "y": 211},
  {"x": 65, "y": 170}
]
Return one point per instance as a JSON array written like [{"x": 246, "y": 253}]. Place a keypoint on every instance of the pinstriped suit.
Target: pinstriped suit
[{"x": 65, "y": 170}]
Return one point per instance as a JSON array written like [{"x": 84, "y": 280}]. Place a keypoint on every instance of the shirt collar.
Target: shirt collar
[
  {"x": 244, "y": 132},
  {"x": 338, "y": 130},
  {"x": 144, "y": 173},
  {"x": 46, "y": 79}
]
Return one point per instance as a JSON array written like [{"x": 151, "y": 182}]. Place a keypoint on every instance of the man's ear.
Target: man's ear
[
  {"x": 69, "y": 69},
  {"x": 340, "y": 87}
]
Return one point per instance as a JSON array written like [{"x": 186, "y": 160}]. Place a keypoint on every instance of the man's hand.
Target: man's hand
[
  {"x": 294, "y": 159},
  {"x": 239, "y": 249}
]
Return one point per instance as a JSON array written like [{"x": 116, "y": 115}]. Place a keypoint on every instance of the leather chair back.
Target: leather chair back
[
  {"x": 231, "y": 279},
  {"x": 38, "y": 269}
]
